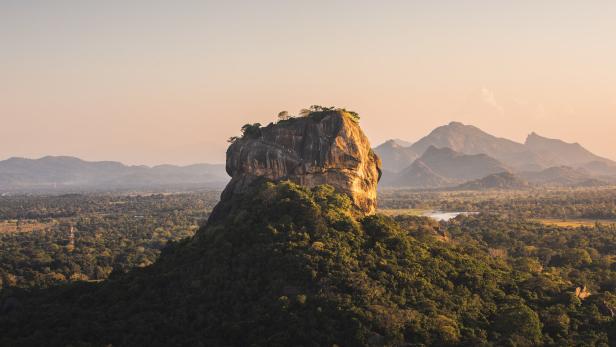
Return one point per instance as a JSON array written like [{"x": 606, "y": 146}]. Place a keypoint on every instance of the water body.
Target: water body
[{"x": 445, "y": 216}]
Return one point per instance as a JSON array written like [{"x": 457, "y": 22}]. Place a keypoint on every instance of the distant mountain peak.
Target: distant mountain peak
[
  {"x": 390, "y": 143},
  {"x": 537, "y": 153},
  {"x": 395, "y": 143},
  {"x": 394, "y": 156},
  {"x": 468, "y": 139},
  {"x": 533, "y": 136},
  {"x": 565, "y": 153}
]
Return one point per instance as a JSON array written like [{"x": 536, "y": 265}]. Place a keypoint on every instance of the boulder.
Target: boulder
[{"x": 321, "y": 148}]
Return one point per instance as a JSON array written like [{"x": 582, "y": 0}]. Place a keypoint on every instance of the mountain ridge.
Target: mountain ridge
[
  {"x": 534, "y": 155},
  {"x": 290, "y": 264},
  {"x": 67, "y": 173},
  {"x": 394, "y": 156},
  {"x": 468, "y": 139},
  {"x": 497, "y": 181},
  {"x": 571, "y": 154},
  {"x": 440, "y": 167}
]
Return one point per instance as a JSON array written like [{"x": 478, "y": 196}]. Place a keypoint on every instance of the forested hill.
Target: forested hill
[
  {"x": 288, "y": 265},
  {"x": 310, "y": 264}
]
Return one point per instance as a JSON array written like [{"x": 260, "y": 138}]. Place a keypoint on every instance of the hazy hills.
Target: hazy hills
[
  {"x": 394, "y": 156},
  {"x": 449, "y": 156},
  {"x": 468, "y": 139},
  {"x": 560, "y": 176},
  {"x": 67, "y": 174},
  {"x": 502, "y": 180},
  {"x": 563, "y": 153},
  {"x": 444, "y": 166},
  {"x": 540, "y": 160}
]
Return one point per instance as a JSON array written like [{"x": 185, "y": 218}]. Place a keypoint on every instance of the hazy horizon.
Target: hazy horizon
[
  {"x": 222, "y": 161},
  {"x": 153, "y": 82}
]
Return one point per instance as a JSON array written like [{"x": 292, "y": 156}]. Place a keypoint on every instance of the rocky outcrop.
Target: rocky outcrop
[
  {"x": 582, "y": 293},
  {"x": 322, "y": 148}
]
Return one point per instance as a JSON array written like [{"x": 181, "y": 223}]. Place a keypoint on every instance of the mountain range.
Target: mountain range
[
  {"x": 457, "y": 153},
  {"x": 502, "y": 180},
  {"x": 69, "y": 174},
  {"x": 444, "y": 166},
  {"x": 451, "y": 156}
]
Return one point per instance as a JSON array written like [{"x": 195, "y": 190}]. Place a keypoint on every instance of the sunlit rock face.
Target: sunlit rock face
[{"x": 328, "y": 148}]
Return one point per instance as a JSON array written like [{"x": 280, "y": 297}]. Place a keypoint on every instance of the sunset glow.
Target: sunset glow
[{"x": 149, "y": 82}]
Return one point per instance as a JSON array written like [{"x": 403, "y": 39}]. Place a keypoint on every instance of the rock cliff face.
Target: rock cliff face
[{"x": 323, "y": 148}]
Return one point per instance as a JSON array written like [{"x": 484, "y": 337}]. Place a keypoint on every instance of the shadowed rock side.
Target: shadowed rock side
[{"x": 324, "y": 148}]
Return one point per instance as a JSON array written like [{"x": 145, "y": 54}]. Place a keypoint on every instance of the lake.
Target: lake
[{"x": 445, "y": 216}]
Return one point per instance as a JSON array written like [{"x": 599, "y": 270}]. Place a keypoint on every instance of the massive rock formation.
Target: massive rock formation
[{"x": 322, "y": 148}]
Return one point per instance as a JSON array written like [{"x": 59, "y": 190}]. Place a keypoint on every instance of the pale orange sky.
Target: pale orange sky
[{"x": 148, "y": 82}]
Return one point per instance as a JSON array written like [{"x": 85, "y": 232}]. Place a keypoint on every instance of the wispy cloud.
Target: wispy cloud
[
  {"x": 482, "y": 103},
  {"x": 488, "y": 98}
]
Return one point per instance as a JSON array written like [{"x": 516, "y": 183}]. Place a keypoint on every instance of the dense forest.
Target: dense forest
[
  {"x": 46, "y": 240},
  {"x": 291, "y": 266}
]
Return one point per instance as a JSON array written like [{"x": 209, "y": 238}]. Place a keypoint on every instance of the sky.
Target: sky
[{"x": 150, "y": 82}]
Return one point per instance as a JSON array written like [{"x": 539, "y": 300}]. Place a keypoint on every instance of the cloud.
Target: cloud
[
  {"x": 487, "y": 97},
  {"x": 480, "y": 104}
]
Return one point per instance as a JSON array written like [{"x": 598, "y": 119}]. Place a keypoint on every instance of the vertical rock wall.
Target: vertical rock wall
[{"x": 327, "y": 148}]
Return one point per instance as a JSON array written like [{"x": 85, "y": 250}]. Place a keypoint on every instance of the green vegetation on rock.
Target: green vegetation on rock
[{"x": 285, "y": 265}]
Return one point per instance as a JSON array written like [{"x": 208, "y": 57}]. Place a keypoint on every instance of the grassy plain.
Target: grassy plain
[
  {"x": 11, "y": 226},
  {"x": 574, "y": 223},
  {"x": 403, "y": 211}
]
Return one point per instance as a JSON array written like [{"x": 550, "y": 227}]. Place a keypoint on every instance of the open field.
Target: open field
[
  {"x": 110, "y": 231},
  {"x": 25, "y": 226},
  {"x": 574, "y": 223},
  {"x": 403, "y": 211}
]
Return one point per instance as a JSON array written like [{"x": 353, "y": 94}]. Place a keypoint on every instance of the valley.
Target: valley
[
  {"x": 522, "y": 235},
  {"x": 132, "y": 229},
  {"x": 49, "y": 240},
  {"x": 307, "y": 173},
  {"x": 300, "y": 249},
  {"x": 436, "y": 215}
]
